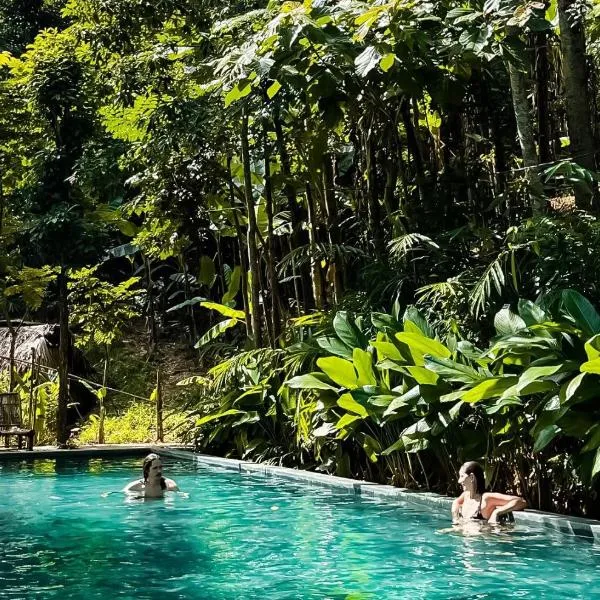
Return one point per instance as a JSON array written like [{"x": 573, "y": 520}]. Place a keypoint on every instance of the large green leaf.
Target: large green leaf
[
  {"x": 363, "y": 363},
  {"x": 453, "y": 371},
  {"x": 581, "y": 311},
  {"x": 534, "y": 373},
  {"x": 214, "y": 416},
  {"x": 490, "y": 388},
  {"x": 545, "y": 436},
  {"x": 387, "y": 350},
  {"x": 334, "y": 346},
  {"x": 384, "y": 322},
  {"x": 593, "y": 441},
  {"x": 347, "y": 402},
  {"x": 420, "y": 345},
  {"x": 592, "y": 347},
  {"x": 596, "y": 467},
  {"x": 226, "y": 311},
  {"x": 216, "y": 331},
  {"x": 399, "y": 445},
  {"x": 346, "y": 420},
  {"x": 346, "y": 329},
  {"x": 531, "y": 313},
  {"x": 233, "y": 285},
  {"x": 190, "y": 302},
  {"x": 366, "y": 61},
  {"x": 340, "y": 371},
  {"x": 422, "y": 375},
  {"x": 414, "y": 317},
  {"x": 591, "y": 366},
  {"x": 402, "y": 402},
  {"x": 370, "y": 445},
  {"x": 507, "y": 322},
  {"x": 501, "y": 403},
  {"x": 207, "y": 271},
  {"x": 310, "y": 381},
  {"x": 571, "y": 388}
]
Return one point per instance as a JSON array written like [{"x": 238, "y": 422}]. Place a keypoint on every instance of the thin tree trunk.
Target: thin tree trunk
[
  {"x": 518, "y": 85},
  {"x": 251, "y": 236},
  {"x": 373, "y": 207},
  {"x": 188, "y": 295},
  {"x": 542, "y": 82},
  {"x": 333, "y": 231},
  {"x": 273, "y": 281},
  {"x": 62, "y": 434},
  {"x": 296, "y": 212},
  {"x": 575, "y": 78},
  {"x": 242, "y": 253},
  {"x": 315, "y": 267},
  {"x": 152, "y": 333}
]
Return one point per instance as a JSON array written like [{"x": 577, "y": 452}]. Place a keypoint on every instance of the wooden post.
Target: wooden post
[
  {"x": 159, "y": 409},
  {"x": 34, "y": 376},
  {"x": 101, "y": 401},
  {"x": 31, "y": 386}
]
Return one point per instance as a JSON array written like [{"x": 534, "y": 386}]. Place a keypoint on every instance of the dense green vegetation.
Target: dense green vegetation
[{"x": 371, "y": 225}]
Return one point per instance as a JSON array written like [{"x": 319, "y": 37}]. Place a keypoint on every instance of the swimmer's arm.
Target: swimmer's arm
[
  {"x": 503, "y": 504},
  {"x": 171, "y": 485},
  {"x": 458, "y": 502}
]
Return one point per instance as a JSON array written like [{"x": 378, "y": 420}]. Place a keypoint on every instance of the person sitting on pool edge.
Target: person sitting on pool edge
[
  {"x": 153, "y": 485},
  {"x": 477, "y": 504}
]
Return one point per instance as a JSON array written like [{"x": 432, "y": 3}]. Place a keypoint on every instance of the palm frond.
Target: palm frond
[
  {"x": 401, "y": 246},
  {"x": 226, "y": 372},
  {"x": 303, "y": 255},
  {"x": 439, "y": 292},
  {"x": 493, "y": 278}
]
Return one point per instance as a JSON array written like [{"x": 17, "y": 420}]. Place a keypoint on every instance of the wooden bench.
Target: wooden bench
[{"x": 11, "y": 421}]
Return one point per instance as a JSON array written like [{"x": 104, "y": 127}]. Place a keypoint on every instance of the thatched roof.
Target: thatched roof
[{"x": 44, "y": 338}]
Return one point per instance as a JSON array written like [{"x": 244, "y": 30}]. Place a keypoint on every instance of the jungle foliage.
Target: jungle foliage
[{"x": 373, "y": 225}]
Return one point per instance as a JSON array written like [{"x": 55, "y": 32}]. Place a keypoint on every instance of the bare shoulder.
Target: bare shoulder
[
  {"x": 171, "y": 485},
  {"x": 461, "y": 498},
  {"x": 134, "y": 486}
]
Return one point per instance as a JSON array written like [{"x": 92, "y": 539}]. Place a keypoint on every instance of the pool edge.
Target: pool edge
[{"x": 578, "y": 526}]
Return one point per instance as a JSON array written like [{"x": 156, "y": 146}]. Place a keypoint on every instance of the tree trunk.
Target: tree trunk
[
  {"x": 575, "y": 77},
  {"x": 518, "y": 85},
  {"x": 542, "y": 82},
  {"x": 243, "y": 263},
  {"x": 373, "y": 207},
  {"x": 272, "y": 274},
  {"x": 333, "y": 231},
  {"x": 315, "y": 267},
  {"x": 62, "y": 434},
  {"x": 251, "y": 237},
  {"x": 152, "y": 333}
]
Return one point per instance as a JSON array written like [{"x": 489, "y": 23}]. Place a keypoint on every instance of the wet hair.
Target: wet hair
[
  {"x": 146, "y": 469},
  {"x": 476, "y": 469}
]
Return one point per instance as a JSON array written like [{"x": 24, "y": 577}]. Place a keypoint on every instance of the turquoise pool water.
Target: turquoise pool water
[{"x": 245, "y": 536}]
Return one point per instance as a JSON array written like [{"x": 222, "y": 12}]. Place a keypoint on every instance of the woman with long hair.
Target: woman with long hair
[
  {"x": 153, "y": 484},
  {"x": 477, "y": 504}
]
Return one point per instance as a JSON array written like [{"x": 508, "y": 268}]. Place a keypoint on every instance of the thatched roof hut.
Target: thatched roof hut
[{"x": 43, "y": 338}]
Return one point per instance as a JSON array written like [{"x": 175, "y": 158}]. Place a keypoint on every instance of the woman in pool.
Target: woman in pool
[
  {"x": 477, "y": 504},
  {"x": 153, "y": 485}
]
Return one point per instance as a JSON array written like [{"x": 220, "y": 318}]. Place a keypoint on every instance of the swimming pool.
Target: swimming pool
[{"x": 247, "y": 536}]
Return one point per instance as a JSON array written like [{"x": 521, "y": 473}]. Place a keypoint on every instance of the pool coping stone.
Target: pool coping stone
[{"x": 578, "y": 526}]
